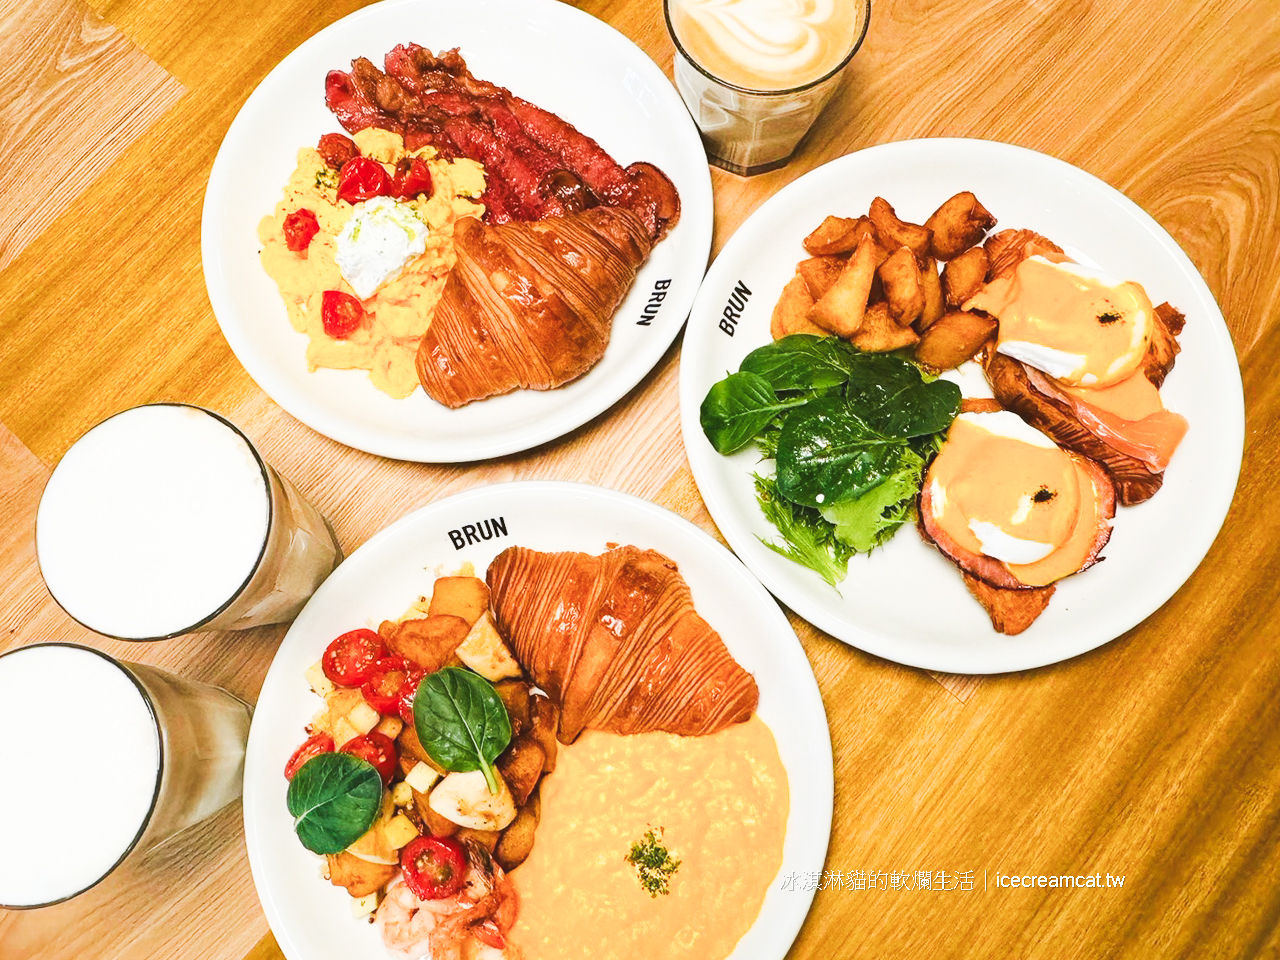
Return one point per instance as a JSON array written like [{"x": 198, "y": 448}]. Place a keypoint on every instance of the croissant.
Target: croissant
[
  {"x": 529, "y": 304},
  {"x": 614, "y": 640}
]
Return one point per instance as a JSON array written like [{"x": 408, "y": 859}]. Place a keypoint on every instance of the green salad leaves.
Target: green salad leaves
[
  {"x": 334, "y": 799},
  {"x": 461, "y": 721},
  {"x": 850, "y": 435}
]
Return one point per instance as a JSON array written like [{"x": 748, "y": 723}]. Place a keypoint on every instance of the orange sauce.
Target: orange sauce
[
  {"x": 721, "y": 802},
  {"x": 1062, "y": 307},
  {"x": 1038, "y": 495}
]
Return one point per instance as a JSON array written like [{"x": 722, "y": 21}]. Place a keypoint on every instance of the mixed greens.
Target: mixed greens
[{"x": 850, "y": 435}]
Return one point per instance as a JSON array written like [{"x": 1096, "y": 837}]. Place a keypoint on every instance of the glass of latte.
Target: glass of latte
[
  {"x": 153, "y": 754},
  {"x": 755, "y": 74},
  {"x": 165, "y": 519}
]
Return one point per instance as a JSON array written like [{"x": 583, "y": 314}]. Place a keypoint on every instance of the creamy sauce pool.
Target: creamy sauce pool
[{"x": 721, "y": 802}]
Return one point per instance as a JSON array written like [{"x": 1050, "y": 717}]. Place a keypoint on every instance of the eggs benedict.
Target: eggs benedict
[
  {"x": 1081, "y": 355},
  {"x": 1010, "y": 507}
]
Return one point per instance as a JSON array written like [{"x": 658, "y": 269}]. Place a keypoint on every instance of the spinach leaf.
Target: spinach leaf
[
  {"x": 892, "y": 397},
  {"x": 461, "y": 721},
  {"x": 334, "y": 799},
  {"x": 826, "y": 453},
  {"x": 739, "y": 407},
  {"x": 803, "y": 362}
]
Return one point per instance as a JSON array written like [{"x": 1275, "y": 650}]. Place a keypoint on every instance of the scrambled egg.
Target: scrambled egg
[{"x": 399, "y": 311}]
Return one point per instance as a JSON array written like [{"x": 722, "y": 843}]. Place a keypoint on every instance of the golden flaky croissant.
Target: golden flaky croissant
[
  {"x": 529, "y": 305},
  {"x": 614, "y": 640}
]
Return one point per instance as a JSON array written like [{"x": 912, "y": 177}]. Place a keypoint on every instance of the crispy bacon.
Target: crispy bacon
[{"x": 525, "y": 149}]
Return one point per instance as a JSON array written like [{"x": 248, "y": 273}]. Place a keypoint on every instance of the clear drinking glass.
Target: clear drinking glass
[
  {"x": 103, "y": 761},
  {"x": 751, "y": 125},
  {"x": 164, "y": 519}
]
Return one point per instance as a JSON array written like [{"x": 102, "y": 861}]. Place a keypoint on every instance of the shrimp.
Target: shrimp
[{"x": 471, "y": 925}]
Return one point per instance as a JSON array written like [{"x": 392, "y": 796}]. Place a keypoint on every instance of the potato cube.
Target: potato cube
[
  {"x": 390, "y": 726},
  {"x": 463, "y": 597},
  {"x": 400, "y": 830},
  {"x": 361, "y": 907},
  {"x": 320, "y": 684},
  {"x": 363, "y": 717},
  {"x": 422, "y": 777},
  {"x": 485, "y": 652}
]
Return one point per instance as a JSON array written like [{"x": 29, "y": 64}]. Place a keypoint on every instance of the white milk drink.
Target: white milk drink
[
  {"x": 153, "y": 754},
  {"x": 164, "y": 519},
  {"x": 755, "y": 74}
]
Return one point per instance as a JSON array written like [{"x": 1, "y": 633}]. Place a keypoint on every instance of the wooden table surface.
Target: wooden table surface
[{"x": 1154, "y": 757}]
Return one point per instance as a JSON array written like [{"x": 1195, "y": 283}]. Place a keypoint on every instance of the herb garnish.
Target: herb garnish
[
  {"x": 1111, "y": 316},
  {"x": 334, "y": 799},
  {"x": 653, "y": 863},
  {"x": 850, "y": 434},
  {"x": 1043, "y": 495},
  {"x": 461, "y": 721},
  {"x": 328, "y": 177}
]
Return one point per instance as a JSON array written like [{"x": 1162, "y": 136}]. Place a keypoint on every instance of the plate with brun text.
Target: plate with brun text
[
  {"x": 904, "y": 600},
  {"x": 746, "y": 808},
  {"x": 541, "y": 55}
]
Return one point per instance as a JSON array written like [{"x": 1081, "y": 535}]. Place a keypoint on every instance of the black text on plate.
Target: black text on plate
[
  {"x": 478, "y": 532},
  {"x": 733, "y": 308}
]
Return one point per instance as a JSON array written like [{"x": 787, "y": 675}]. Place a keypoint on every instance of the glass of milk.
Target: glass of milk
[
  {"x": 755, "y": 74},
  {"x": 165, "y": 519},
  {"x": 103, "y": 761}
]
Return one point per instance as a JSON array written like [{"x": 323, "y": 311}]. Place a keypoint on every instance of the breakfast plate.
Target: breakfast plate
[
  {"x": 905, "y": 602},
  {"x": 310, "y": 918},
  {"x": 545, "y": 52}
]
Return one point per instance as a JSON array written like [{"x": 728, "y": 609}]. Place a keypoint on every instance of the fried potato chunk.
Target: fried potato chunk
[
  {"x": 953, "y": 339},
  {"x": 964, "y": 276},
  {"x": 894, "y": 232},
  {"x": 931, "y": 287},
  {"x": 900, "y": 276},
  {"x": 957, "y": 225},
  {"x": 790, "y": 313},
  {"x": 841, "y": 308},
  {"x": 834, "y": 235},
  {"x": 880, "y": 333},
  {"x": 465, "y": 597}
]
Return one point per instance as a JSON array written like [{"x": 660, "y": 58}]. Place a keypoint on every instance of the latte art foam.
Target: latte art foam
[{"x": 767, "y": 44}]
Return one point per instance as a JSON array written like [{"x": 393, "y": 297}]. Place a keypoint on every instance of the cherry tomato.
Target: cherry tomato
[
  {"x": 341, "y": 314},
  {"x": 410, "y": 179},
  {"x": 335, "y": 150},
  {"x": 385, "y": 685},
  {"x": 378, "y": 749},
  {"x": 361, "y": 178},
  {"x": 316, "y": 745},
  {"x": 434, "y": 867},
  {"x": 300, "y": 227},
  {"x": 349, "y": 660},
  {"x": 408, "y": 690}
]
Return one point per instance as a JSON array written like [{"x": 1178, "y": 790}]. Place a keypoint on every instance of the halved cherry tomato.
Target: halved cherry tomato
[
  {"x": 385, "y": 684},
  {"x": 300, "y": 227},
  {"x": 361, "y": 179},
  {"x": 376, "y": 748},
  {"x": 349, "y": 660},
  {"x": 434, "y": 867},
  {"x": 341, "y": 314},
  {"x": 410, "y": 179},
  {"x": 314, "y": 746},
  {"x": 335, "y": 150},
  {"x": 408, "y": 690}
]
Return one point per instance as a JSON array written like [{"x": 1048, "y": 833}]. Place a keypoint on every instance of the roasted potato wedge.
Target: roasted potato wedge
[
  {"x": 820, "y": 273},
  {"x": 902, "y": 290},
  {"x": 465, "y": 597},
  {"x": 931, "y": 287},
  {"x": 436, "y": 824},
  {"x": 833, "y": 235},
  {"x": 360, "y": 877},
  {"x": 880, "y": 332},
  {"x": 516, "y": 842},
  {"x": 964, "y": 276},
  {"x": 430, "y": 642},
  {"x": 515, "y": 697},
  {"x": 789, "y": 314},
  {"x": 957, "y": 225},
  {"x": 545, "y": 720},
  {"x": 841, "y": 308},
  {"x": 894, "y": 232},
  {"x": 521, "y": 766},
  {"x": 486, "y": 838},
  {"x": 953, "y": 339}
]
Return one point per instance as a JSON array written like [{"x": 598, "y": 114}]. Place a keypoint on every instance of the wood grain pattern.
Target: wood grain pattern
[
  {"x": 84, "y": 93},
  {"x": 1154, "y": 757}
]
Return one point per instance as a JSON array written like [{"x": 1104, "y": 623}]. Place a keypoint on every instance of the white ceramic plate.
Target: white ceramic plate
[
  {"x": 544, "y": 51},
  {"x": 905, "y": 602},
  {"x": 310, "y": 918}
]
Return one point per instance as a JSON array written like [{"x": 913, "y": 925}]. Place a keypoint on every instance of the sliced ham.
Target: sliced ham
[
  {"x": 529, "y": 305},
  {"x": 616, "y": 642}
]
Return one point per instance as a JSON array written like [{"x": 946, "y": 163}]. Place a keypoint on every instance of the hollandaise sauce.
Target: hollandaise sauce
[
  {"x": 1075, "y": 324},
  {"x": 1002, "y": 489}
]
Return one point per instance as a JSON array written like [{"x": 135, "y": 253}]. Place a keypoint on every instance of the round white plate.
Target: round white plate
[
  {"x": 905, "y": 602},
  {"x": 544, "y": 51},
  {"x": 310, "y": 918}
]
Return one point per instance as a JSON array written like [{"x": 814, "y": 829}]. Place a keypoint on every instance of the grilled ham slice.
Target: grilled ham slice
[
  {"x": 615, "y": 641},
  {"x": 529, "y": 305}
]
